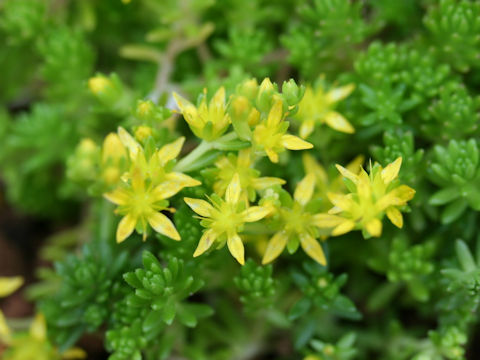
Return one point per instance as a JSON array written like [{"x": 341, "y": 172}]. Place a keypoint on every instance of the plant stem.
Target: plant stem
[
  {"x": 186, "y": 163},
  {"x": 106, "y": 221}
]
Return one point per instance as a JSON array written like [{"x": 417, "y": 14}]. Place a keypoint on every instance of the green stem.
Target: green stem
[
  {"x": 188, "y": 161},
  {"x": 107, "y": 221}
]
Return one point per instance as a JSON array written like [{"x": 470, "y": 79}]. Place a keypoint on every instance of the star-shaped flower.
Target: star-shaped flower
[{"x": 224, "y": 220}]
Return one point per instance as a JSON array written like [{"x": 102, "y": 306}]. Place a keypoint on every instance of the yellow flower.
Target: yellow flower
[
  {"x": 270, "y": 135},
  {"x": 371, "y": 197},
  {"x": 114, "y": 159},
  {"x": 82, "y": 165},
  {"x": 143, "y": 192},
  {"x": 158, "y": 167},
  {"x": 145, "y": 108},
  {"x": 141, "y": 204},
  {"x": 224, "y": 219},
  {"x": 143, "y": 132},
  {"x": 99, "y": 84},
  {"x": 297, "y": 226},
  {"x": 323, "y": 182},
  {"x": 250, "y": 182},
  {"x": 248, "y": 88},
  {"x": 243, "y": 116},
  {"x": 317, "y": 107},
  {"x": 208, "y": 121},
  {"x": 35, "y": 345},
  {"x": 8, "y": 285}
]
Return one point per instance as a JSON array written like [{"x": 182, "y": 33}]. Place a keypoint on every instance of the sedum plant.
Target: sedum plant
[{"x": 240, "y": 180}]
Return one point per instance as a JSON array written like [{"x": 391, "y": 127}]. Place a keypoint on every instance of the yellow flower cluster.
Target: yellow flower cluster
[
  {"x": 371, "y": 196},
  {"x": 225, "y": 218},
  {"x": 318, "y": 107},
  {"x": 250, "y": 180},
  {"x": 297, "y": 225},
  {"x": 31, "y": 345},
  {"x": 324, "y": 183},
  {"x": 142, "y": 191},
  {"x": 270, "y": 136},
  {"x": 208, "y": 121},
  {"x": 257, "y": 113},
  {"x": 236, "y": 132}
]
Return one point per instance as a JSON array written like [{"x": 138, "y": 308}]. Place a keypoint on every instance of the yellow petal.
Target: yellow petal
[
  {"x": 355, "y": 165},
  {"x": 38, "y": 328},
  {"x": 218, "y": 100},
  {"x": 275, "y": 247},
  {"x": 201, "y": 207},
  {"x": 205, "y": 242},
  {"x": 182, "y": 103},
  {"x": 266, "y": 182},
  {"x": 395, "y": 216},
  {"x": 275, "y": 114},
  {"x": 173, "y": 184},
  {"x": 4, "y": 329},
  {"x": 338, "y": 122},
  {"x": 334, "y": 210},
  {"x": 343, "y": 228},
  {"x": 387, "y": 201},
  {"x": 266, "y": 85},
  {"x": 272, "y": 155},
  {"x": 255, "y": 213},
  {"x": 404, "y": 192},
  {"x": 112, "y": 148},
  {"x": 138, "y": 181},
  {"x": 293, "y": 142},
  {"x": 339, "y": 93},
  {"x": 306, "y": 128},
  {"x": 374, "y": 227},
  {"x": 397, "y": 197},
  {"x": 311, "y": 165},
  {"x": 9, "y": 285},
  {"x": 364, "y": 186},
  {"x": 165, "y": 190},
  {"x": 391, "y": 171},
  {"x": 312, "y": 248},
  {"x": 341, "y": 201},
  {"x": 163, "y": 225},
  {"x": 182, "y": 179},
  {"x": 74, "y": 353},
  {"x": 125, "y": 227},
  {"x": 347, "y": 173},
  {"x": 188, "y": 110},
  {"x": 118, "y": 196},
  {"x": 170, "y": 151},
  {"x": 304, "y": 190},
  {"x": 233, "y": 190},
  {"x": 235, "y": 246},
  {"x": 324, "y": 221},
  {"x": 129, "y": 142}
]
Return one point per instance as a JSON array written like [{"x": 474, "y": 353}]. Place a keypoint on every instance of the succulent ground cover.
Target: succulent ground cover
[{"x": 239, "y": 180}]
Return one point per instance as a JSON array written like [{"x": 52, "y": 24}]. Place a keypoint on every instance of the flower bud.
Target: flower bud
[{"x": 265, "y": 93}]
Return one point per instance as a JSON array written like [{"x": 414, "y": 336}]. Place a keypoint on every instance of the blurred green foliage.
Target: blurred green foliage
[{"x": 415, "y": 65}]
